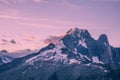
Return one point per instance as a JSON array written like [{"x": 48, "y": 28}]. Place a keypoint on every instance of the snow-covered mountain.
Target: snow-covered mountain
[
  {"x": 5, "y": 57},
  {"x": 77, "y": 46},
  {"x": 77, "y": 56}
]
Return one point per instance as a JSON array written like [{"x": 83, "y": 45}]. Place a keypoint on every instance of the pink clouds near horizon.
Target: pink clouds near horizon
[{"x": 41, "y": 18}]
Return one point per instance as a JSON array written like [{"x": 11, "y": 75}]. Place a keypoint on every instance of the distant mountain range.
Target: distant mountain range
[
  {"x": 5, "y": 57},
  {"x": 77, "y": 56}
]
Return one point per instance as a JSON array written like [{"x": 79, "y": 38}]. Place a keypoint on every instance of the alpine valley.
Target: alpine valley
[{"x": 76, "y": 56}]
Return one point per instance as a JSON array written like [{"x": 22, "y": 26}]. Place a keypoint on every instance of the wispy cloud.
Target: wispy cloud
[
  {"x": 68, "y": 4},
  {"x": 4, "y": 40},
  {"x": 27, "y": 37},
  {"x": 30, "y": 38},
  {"x": 7, "y": 10},
  {"x": 40, "y": 1},
  {"x": 36, "y": 22},
  {"x": 9, "y": 13},
  {"x": 10, "y": 17},
  {"x": 53, "y": 39},
  {"x": 20, "y": 1},
  {"x": 45, "y": 22}
]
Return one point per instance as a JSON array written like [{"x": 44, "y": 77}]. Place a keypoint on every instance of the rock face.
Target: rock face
[
  {"x": 80, "y": 40},
  {"x": 116, "y": 56},
  {"x": 77, "y": 56}
]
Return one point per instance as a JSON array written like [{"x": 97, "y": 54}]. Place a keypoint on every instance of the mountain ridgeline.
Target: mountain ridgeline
[
  {"x": 77, "y": 56},
  {"x": 5, "y": 57}
]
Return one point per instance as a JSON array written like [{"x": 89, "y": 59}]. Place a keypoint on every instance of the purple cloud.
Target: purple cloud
[
  {"x": 4, "y": 40},
  {"x": 12, "y": 41}
]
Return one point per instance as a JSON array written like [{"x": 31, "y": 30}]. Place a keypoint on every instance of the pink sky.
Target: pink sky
[{"x": 30, "y": 22}]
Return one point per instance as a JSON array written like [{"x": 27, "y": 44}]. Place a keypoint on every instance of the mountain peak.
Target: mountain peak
[
  {"x": 103, "y": 38},
  {"x": 74, "y": 30},
  {"x": 79, "y": 32}
]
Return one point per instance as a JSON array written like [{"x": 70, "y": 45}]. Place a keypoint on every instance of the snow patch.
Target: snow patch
[
  {"x": 80, "y": 55},
  {"x": 74, "y": 61},
  {"x": 30, "y": 61},
  {"x": 84, "y": 45},
  {"x": 105, "y": 70},
  {"x": 79, "y": 35},
  {"x": 105, "y": 43},
  {"x": 60, "y": 56},
  {"x": 47, "y": 52},
  {"x": 88, "y": 64},
  {"x": 75, "y": 51},
  {"x": 82, "y": 42},
  {"x": 96, "y": 60}
]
